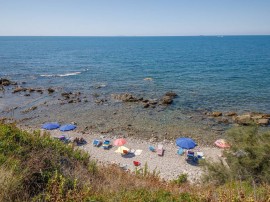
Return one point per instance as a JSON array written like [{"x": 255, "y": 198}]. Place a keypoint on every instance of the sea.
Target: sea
[{"x": 214, "y": 73}]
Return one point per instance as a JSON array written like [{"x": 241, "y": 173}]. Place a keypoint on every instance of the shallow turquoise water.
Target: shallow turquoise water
[{"x": 215, "y": 73}]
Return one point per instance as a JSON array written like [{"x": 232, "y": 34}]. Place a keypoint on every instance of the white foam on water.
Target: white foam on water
[
  {"x": 61, "y": 75},
  {"x": 69, "y": 74},
  {"x": 47, "y": 75}
]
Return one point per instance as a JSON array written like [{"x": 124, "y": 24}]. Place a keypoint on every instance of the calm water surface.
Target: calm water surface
[{"x": 216, "y": 73}]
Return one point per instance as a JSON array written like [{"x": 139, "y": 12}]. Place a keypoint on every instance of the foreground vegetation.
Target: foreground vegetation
[{"x": 39, "y": 168}]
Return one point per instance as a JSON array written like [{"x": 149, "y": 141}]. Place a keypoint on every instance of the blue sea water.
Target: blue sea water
[{"x": 207, "y": 72}]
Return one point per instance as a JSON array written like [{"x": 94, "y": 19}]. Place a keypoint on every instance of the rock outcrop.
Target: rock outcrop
[
  {"x": 125, "y": 97},
  {"x": 216, "y": 114},
  {"x": 6, "y": 82},
  {"x": 167, "y": 99}
]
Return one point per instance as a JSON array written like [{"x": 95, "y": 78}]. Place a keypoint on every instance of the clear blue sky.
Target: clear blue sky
[{"x": 134, "y": 17}]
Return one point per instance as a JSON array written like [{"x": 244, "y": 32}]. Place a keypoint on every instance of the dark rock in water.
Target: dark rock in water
[
  {"x": 216, "y": 114},
  {"x": 166, "y": 100},
  {"x": 39, "y": 91},
  {"x": 6, "y": 82},
  {"x": 243, "y": 119},
  {"x": 153, "y": 102},
  {"x": 27, "y": 95},
  {"x": 146, "y": 105},
  {"x": 171, "y": 94},
  {"x": 66, "y": 95},
  {"x": 31, "y": 90},
  {"x": 70, "y": 101},
  {"x": 50, "y": 90},
  {"x": 19, "y": 89},
  {"x": 126, "y": 97},
  {"x": 231, "y": 114},
  {"x": 145, "y": 100}
]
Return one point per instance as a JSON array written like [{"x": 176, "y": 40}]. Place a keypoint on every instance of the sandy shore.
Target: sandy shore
[{"x": 169, "y": 166}]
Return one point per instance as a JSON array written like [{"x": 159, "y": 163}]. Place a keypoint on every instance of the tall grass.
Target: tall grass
[{"x": 39, "y": 168}]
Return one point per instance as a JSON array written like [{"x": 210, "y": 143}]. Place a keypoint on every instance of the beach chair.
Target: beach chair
[
  {"x": 97, "y": 143},
  {"x": 106, "y": 144},
  {"x": 152, "y": 149},
  {"x": 160, "y": 150},
  {"x": 191, "y": 158}
]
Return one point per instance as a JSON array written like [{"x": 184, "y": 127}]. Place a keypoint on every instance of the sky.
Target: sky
[{"x": 134, "y": 17}]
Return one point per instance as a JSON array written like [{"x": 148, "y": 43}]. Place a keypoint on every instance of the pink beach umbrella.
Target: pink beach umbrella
[
  {"x": 222, "y": 143},
  {"x": 119, "y": 142}
]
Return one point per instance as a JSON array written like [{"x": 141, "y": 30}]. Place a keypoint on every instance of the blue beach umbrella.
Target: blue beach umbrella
[
  {"x": 51, "y": 126},
  {"x": 67, "y": 127},
  {"x": 185, "y": 143}
]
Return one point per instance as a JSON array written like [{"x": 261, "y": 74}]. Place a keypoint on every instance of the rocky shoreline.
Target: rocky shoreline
[{"x": 123, "y": 113}]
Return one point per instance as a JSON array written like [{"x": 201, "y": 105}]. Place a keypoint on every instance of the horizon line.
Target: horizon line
[{"x": 201, "y": 35}]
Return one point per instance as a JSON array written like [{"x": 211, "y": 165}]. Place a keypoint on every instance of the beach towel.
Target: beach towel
[
  {"x": 138, "y": 152},
  {"x": 121, "y": 149}
]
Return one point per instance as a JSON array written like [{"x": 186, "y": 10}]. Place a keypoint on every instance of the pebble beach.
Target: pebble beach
[{"x": 169, "y": 166}]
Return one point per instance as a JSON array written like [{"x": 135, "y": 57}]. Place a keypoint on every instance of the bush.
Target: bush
[
  {"x": 181, "y": 179},
  {"x": 39, "y": 168},
  {"x": 247, "y": 159}
]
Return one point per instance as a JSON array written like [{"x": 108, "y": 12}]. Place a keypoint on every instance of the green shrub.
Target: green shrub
[
  {"x": 181, "y": 179},
  {"x": 35, "y": 167},
  {"x": 247, "y": 159}
]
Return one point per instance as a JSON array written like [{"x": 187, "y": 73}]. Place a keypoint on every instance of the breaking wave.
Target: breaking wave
[{"x": 61, "y": 75}]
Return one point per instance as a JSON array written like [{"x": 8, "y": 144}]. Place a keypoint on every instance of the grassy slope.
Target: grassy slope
[{"x": 38, "y": 168}]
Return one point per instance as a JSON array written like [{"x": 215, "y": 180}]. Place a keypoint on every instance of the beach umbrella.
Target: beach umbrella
[
  {"x": 185, "y": 143},
  {"x": 119, "y": 142},
  {"x": 67, "y": 127},
  {"x": 51, "y": 126},
  {"x": 222, "y": 143}
]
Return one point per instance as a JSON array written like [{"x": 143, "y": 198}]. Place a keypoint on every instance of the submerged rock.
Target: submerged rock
[
  {"x": 19, "y": 89},
  {"x": 166, "y": 100},
  {"x": 146, "y": 105},
  {"x": 125, "y": 97},
  {"x": 50, "y": 90},
  {"x": 171, "y": 94},
  {"x": 6, "y": 82},
  {"x": 243, "y": 119}
]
